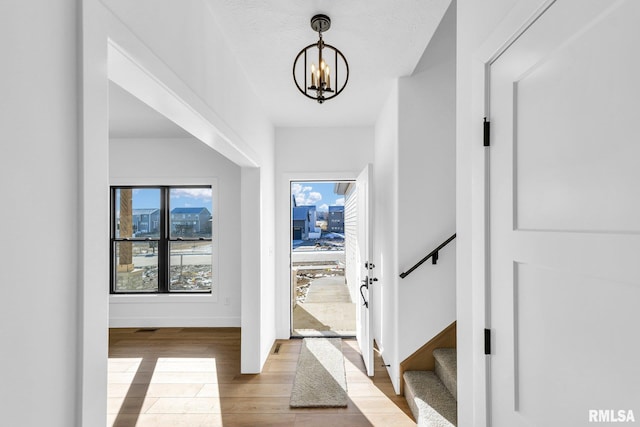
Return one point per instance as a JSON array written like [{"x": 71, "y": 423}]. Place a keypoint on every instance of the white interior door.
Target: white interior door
[
  {"x": 565, "y": 218},
  {"x": 365, "y": 269}
]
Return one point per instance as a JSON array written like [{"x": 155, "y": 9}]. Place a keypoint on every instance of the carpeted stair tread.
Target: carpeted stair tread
[
  {"x": 447, "y": 368},
  {"x": 430, "y": 401}
]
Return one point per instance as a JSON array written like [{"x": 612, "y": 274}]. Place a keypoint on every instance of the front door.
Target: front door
[
  {"x": 364, "y": 267},
  {"x": 565, "y": 218}
]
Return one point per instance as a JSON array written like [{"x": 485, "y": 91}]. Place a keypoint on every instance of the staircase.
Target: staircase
[{"x": 432, "y": 395}]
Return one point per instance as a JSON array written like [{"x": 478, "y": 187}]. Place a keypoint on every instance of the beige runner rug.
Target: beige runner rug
[{"x": 320, "y": 380}]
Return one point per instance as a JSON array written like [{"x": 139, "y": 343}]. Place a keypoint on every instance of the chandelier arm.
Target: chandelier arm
[{"x": 335, "y": 62}]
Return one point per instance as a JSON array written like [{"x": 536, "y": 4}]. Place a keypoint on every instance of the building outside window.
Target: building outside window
[
  {"x": 336, "y": 219},
  {"x": 154, "y": 247},
  {"x": 182, "y": 220}
]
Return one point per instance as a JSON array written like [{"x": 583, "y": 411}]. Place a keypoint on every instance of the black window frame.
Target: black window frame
[{"x": 164, "y": 241}]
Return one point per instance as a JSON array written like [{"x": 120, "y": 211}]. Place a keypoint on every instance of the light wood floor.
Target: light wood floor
[{"x": 191, "y": 377}]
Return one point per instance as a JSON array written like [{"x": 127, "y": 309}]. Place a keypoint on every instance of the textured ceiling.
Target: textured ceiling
[{"x": 381, "y": 39}]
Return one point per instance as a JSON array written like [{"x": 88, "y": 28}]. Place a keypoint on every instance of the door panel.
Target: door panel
[
  {"x": 364, "y": 255},
  {"x": 560, "y": 120},
  {"x": 352, "y": 269},
  {"x": 565, "y": 217}
]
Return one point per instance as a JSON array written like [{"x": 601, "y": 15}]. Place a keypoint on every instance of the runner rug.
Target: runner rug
[{"x": 320, "y": 380}]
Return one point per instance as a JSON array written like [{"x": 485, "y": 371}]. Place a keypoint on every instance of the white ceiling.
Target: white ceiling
[{"x": 381, "y": 39}]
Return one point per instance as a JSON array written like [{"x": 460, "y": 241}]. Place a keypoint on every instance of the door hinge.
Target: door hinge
[
  {"x": 487, "y": 341},
  {"x": 487, "y": 133}
]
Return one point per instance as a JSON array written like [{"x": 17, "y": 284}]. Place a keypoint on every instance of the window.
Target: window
[{"x": 153, "y": 248}]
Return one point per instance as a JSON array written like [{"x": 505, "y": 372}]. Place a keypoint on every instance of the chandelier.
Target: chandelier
[{"x": 326, "y": 78}]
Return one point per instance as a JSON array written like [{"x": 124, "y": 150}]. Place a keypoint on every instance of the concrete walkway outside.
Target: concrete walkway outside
[{"x": 327, "y": 309}]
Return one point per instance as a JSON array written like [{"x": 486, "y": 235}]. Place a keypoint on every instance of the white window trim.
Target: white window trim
[{"x": 215, "y": 262}]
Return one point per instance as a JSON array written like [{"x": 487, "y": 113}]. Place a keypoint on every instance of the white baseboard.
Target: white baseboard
[{"x": 174, "y": 322}]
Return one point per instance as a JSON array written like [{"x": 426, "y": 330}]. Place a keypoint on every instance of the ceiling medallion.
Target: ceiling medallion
[{"x": 326, "y": 78}]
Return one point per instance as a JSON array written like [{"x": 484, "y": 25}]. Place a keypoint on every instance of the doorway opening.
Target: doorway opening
[{"x": 321, "y": 241}]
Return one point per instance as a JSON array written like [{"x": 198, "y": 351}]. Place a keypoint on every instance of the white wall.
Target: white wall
[
  {"x": 310, "y": 154},
  {"x": 426, "y": 190},
  {"x": 385, "y": 242},
  {"x": 211, "y": 98},
  {"x": 478, "y": 24},
  {"x": 39, "y": 169},
  {"x": 184, "y": 162},
  {"x": 415, "y": 203}
]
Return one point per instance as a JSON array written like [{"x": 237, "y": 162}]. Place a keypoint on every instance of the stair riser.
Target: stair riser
[
  {"x": 448, "y": 379},
  {"x": 446, "y": 368}
]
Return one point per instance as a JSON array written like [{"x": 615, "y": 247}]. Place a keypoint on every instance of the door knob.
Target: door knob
[{"x": 365, "y": 284}]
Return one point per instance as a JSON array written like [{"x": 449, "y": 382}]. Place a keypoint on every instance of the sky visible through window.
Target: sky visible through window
[
  {"x": 149, "y": 198},
  {"x": 316, "y": 193},
  {"x": 191, "y": 198}
]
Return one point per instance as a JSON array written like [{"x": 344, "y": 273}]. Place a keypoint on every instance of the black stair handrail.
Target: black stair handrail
[{"x": 433, "y": 255}]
